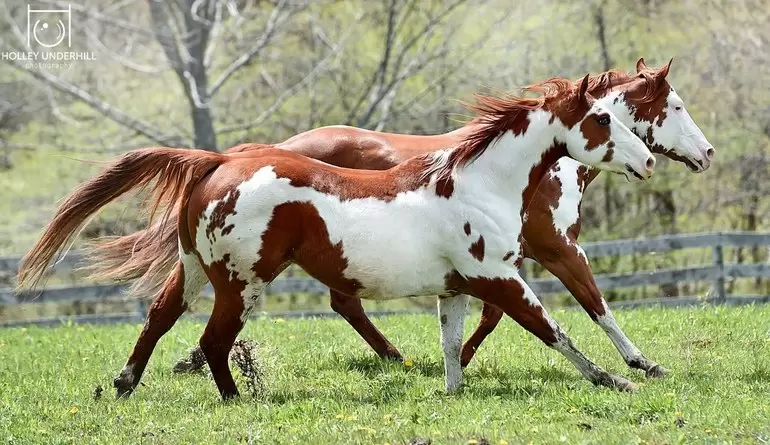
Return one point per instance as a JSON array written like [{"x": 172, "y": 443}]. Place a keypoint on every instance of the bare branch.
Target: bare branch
[
  {"x": 276, "y": 19},
  {"x": 320, "y": 67},
  {"x": 111, "y": 112}
]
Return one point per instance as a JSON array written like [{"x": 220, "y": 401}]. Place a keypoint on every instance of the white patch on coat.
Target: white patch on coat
[
  {"x": 566, "y": 212},
  {"x": 194, "y": 277}
]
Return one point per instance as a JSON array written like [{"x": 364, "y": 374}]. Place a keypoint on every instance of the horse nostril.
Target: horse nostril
[
  {"x": 650, "y": 163},
  {"x": 710, "y": 153}
]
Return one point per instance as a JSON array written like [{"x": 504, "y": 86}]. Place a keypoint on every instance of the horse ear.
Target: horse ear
[
  {"x": 583, "y": 89},
  {"x": 663, "y": 72},
  {"x": 640, "y": 65}
]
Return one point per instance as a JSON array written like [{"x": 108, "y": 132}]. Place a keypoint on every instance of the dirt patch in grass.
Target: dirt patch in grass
[{"x": 244, "y": 355}]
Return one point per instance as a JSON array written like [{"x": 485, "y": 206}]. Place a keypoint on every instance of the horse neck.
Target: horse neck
[
  {"x": 513, "y": 165},
  {"x": 590, "y": 174}
]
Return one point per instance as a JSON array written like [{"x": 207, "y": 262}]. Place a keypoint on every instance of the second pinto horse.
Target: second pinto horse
[{"x": 446, "y": 223}]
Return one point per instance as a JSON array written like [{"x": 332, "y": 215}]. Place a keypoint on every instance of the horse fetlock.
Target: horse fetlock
[
  {"x": 124, "y": 383},
  {"x": 656, "y": 371},
  {"x": 615, "y": 382},
  {"x": 391, "y": 353},
  {"x": 454, "y": 385},
  {"x": 650, "y": 368}
]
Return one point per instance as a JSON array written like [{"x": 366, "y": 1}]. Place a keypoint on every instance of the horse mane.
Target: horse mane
[
  {"x": 600, "y": 84},
  {"x": 495, "y": 115}
]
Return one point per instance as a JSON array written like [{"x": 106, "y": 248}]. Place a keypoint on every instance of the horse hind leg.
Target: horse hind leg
[
  {"x": 227, "y": 319},
  {"x": 181, "y": 288},
  {"x": 490, "y": 317},
  {"x": 352, "y": 311}
]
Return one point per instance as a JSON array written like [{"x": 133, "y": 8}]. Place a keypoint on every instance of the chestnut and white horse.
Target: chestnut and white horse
[
  {"x": 447, "y": 223},
  {"x": 644, "y": 101}
]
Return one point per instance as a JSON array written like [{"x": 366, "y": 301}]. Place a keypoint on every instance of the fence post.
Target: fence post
[{"x": 719, "y": 281}]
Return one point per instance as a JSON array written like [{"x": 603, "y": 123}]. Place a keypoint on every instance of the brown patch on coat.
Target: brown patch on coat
[
  {"x": 477, "y": 249},
  {"x": 467, "y": 228},
  {"x": 608, "y": 156},
  {"x": 594, "y": 133},
  {"x": 297, "y": 233},
  {"x": 508, "y": 295},
  {"x": 222, "y": 210},
  {"x": 445, "y": 186},
  {"x": 497, "y": 115},
  {"x": 538, "y": 172}
]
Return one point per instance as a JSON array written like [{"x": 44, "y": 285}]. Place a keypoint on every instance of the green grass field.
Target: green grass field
[{"x": 323, "y": 385}]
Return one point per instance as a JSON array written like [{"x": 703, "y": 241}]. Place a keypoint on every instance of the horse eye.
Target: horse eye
[
  {"x": 604, "y": 120},
  {"x": 678, "y": 108}
]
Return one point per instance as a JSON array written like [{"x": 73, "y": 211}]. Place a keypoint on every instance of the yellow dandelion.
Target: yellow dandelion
[
  {"x": 502, "y": 442},
  {"x": 339, "y": 416},
  {"x": 280, "y": 320},
  {"x": 473, "y": 442},
  {"x": 74, "y": 410},
  {"x": 408, "y": 362}
]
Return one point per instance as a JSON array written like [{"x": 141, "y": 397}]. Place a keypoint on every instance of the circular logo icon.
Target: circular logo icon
[{"x": 47, "y": 35}]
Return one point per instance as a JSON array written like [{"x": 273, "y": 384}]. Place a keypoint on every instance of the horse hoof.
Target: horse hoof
[
  {"x": 617, "y": 383},
  {"x": 627, "y": 386},
  {"x": 122, "y": 388},
  {"x": 656, "y": 371}
]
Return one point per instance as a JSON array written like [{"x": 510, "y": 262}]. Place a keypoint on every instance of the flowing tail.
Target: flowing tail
[
  {"x": 175, "y": 169},
  {"x": 147, "y": 256}
]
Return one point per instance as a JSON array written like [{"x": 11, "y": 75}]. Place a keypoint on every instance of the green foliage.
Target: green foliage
[{"x": 323, "y": 385}]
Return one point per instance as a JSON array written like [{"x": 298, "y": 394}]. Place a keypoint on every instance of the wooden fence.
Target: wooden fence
[{"x": 716, "y": 273}]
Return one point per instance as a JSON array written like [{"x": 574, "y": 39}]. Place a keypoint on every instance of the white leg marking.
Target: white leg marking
[
  {"x": 627, "y": 350},
  {"x": 451, "y": 312},
  {"x": 591, "y": 371},
  {"x": 194, "y": 277}
]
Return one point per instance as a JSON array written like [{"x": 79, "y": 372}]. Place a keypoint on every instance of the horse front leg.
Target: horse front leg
[
  {"x": 451, "y": 311},
  {"x": 514, "y": 297},
  {"x": 565, "y": 259}
]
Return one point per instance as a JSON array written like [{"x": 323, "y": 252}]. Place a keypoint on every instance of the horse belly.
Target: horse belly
[{"x": 390, "y": 249}]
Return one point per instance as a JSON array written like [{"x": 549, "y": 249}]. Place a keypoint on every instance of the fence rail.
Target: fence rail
[{"x": 716, "y": 273}]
